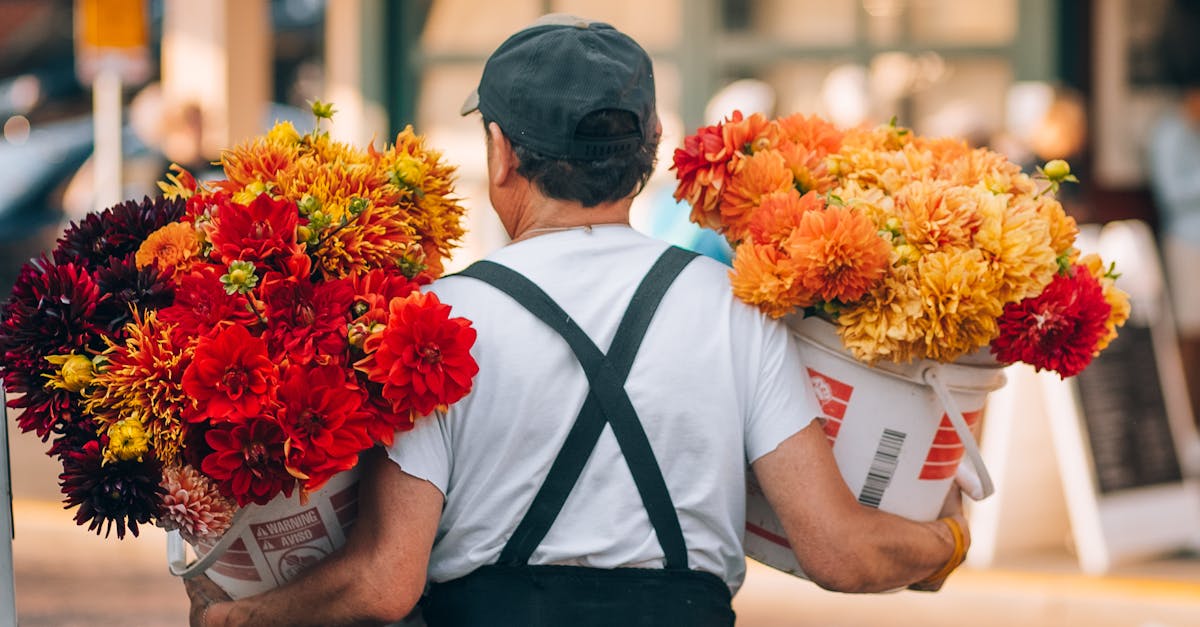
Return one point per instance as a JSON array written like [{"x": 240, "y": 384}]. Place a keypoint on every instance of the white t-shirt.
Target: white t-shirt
[{"x": 715, "y": 384}]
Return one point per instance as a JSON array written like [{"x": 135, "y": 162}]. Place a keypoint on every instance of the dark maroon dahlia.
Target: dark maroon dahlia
[
  {"x": 51, "y": 311},
  {"x": 129, "y": 289},
  {"x": 121, "y": 494},
  {"x": 117, "y": 231}
]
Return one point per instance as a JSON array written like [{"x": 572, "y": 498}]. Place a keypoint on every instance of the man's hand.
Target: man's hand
[{"x": 202, "y": 592}]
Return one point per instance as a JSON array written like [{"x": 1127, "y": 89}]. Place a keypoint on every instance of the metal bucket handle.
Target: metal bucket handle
[
  {"x": 976, "y": 482},
  {"x": 177, "y": 552}
]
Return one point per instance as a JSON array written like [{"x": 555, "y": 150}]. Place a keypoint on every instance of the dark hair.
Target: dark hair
[{"x": 591, "y": 182}]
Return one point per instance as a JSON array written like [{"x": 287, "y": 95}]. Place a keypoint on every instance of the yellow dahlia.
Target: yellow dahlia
[
  {"x": 936, "y": 216},
  {"x": 1113, "y": 295},
  {"x": 141, "y": 380},
  {"x": 1063, "y": 229},
  {"x": 883, "y": 325},
  {"x": 426, "y": 188},
  {"x": 1017, "y": 244},
  {"x": 127, "y": 441},
  {"x": 958, "y": 296},
  {"x": 75, "y": 372}
]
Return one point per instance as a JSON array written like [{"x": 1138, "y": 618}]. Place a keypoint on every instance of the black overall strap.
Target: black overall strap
[{"x": 606, "y": 401}]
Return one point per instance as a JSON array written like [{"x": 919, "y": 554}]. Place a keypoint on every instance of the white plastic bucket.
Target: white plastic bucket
[
  {"x": 898, "y": 433},
  {"x": 267, "y": 545}
]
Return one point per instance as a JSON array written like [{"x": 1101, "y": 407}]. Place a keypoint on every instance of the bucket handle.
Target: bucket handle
[
  {"x": 177, "y": 554},
  {"x": 977, "y": 482}
]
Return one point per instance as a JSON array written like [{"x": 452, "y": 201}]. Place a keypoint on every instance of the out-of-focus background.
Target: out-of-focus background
[{"x": 1083, "y": 80}]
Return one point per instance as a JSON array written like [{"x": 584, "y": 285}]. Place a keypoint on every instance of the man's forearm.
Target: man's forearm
[{"x": 341, "y": 594}]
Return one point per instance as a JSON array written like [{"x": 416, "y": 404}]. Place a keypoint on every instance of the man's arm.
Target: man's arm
[
  {"x": 840, "y": 544},
  {"x": 376, "y": 578}
]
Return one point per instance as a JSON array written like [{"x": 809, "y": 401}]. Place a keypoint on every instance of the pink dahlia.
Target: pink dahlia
[{"x": 194, "y": 505}]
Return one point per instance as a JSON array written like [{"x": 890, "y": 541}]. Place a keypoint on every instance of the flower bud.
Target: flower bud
[
  {"x": 308, "y": 205},
  {"x": 75, "y": 372},
  {"x": 407, "y": 172},
  {"x": 1057, "y": 170},
  {"x": 323, "y": 110},
  {"x": 240, "y": 278},
  {"x": 127, "y": 440}
]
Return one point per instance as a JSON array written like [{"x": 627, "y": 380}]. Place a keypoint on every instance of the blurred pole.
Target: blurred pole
[
  {"x": 106, "y": 121},
  {"x": 111, "y": 51},
  {"x": 217, "y": 66},
  {"x": 8, "y": 596},
  {"x": 355, "y": 77}
]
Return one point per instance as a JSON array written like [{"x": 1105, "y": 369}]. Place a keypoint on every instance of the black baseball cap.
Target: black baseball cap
[{"x": 545, "y": 78}]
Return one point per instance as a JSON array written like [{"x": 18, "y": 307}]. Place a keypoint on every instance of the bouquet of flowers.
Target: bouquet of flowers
[
  {"x": 229, "y": 342},
  {"x": 914, "y": 247}
]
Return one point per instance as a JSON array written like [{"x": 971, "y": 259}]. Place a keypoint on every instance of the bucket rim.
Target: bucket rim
[{"x": 822, "y": 334}]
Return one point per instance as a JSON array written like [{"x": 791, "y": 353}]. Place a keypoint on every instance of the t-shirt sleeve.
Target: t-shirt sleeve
[
  {"x": 783, "y": 401},
  {"x": 424, "y": 452}
]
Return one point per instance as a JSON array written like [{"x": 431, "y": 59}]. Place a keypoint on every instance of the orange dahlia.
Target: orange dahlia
[
  {"x": 935, "y": 216},
  {"x": 171, "y": 249},
  {"x": 812, "y": 132},
  {"x": 749, "y": 135},
  {"x": 779, "y": 215},
  {"x": 262, "y": 159},
  {"x": 838, "y": 254},
  {"x": 764, "y": 276},
  {"x": 754, "y": 177}
]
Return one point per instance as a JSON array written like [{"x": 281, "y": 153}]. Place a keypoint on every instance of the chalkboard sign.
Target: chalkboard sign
[
  {"x": 1125, "y": 415},
  {"x": 1119, "y": 427}
]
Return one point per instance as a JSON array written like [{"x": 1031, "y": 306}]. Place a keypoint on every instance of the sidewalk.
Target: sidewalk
[{"x": 66, "y": 576}]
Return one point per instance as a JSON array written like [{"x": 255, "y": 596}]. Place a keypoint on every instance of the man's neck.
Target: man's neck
[{"x": 547, "y": 215}]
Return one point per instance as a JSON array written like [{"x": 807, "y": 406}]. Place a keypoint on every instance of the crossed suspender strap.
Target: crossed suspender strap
[{"x": 607, "y": 401}]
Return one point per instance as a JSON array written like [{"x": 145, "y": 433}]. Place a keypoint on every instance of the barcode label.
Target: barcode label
[{"x": 887, "y": 456}]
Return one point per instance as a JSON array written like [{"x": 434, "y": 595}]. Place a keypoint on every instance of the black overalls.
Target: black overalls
[{"x": 514, "y": 593}]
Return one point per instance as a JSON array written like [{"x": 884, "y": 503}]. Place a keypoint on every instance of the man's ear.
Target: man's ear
[{"x": 504, "y": 159}]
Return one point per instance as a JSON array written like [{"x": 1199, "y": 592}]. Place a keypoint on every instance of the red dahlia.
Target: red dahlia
[
  {"x": 323, "y": 417},
  {"x": 263, "y": 232},
  {"x": 308, "y": 321},
  {"x": 231, "y": 376},
  {"x": 247, "y": 461},
  {"x": 1058, "y": 329},
  {"x": 201, "y": 304},
  {"x": 422, "y": 357}
]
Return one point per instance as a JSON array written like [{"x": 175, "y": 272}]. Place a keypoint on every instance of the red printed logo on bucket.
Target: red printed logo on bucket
[
  {"x": 834, "y": 396},
  {"x": 234, "y": 563},
  {"x": 947, "y": 449},
  {"x": 299, "y": 539}
]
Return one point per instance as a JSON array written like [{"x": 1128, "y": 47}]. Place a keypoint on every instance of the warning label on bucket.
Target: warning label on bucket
[{"x": 291, "y": 543}]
